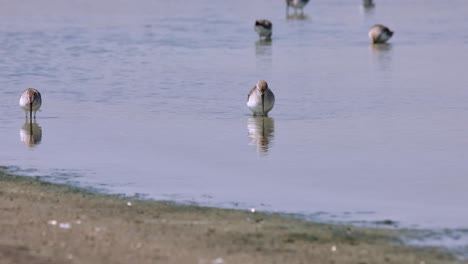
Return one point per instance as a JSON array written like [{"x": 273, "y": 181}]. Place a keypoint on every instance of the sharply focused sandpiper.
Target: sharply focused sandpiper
[
  {"x": 264, "y": 28},
  {"x": 261, "y": 99},
  {"x": 296, "y": 4},
  {"x": 380, "y": 34},
  {"x": 30, "y": 101}
]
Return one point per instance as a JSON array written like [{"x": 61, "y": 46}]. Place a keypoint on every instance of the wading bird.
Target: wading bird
[
  {"x": 296, "y": 4},
  {"x": 30, "y": 101},
  {"x": 263, "y": 27},
  {"x": 380, "y": 34},
  {"x": 261, "y": 99}
]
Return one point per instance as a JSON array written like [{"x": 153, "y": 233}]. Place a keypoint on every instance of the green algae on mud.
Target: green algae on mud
[{"x": 51, "y": 223}]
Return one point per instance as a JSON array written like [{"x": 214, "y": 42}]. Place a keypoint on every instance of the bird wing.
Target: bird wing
[{"x": 251, "y": 91}]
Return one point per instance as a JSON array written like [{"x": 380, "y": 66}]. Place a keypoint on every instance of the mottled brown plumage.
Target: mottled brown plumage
[{"x": 30, "y": 101}]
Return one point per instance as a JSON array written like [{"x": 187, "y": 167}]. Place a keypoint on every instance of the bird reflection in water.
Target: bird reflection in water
[
  {"x": 382, "y": 55},
  {"x": 263, "y": 48},
  {"x": 261, "y": 132},
  {"x": 31, "y": 133},
  {"x": 299, "y": 16},
  {"x": 381, "y": 48}
]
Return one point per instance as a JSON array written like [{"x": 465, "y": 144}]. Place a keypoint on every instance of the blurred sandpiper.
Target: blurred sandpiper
[
  {"x": 296, "y": 4},
  {"x": 379, "y": 34},
  {"x": 264, "y": 28},
  {"x": 368, "y": 3}
]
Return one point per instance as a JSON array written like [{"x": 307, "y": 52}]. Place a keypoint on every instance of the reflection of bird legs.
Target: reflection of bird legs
[
  {"x": 295, "y": 14},
  {"x": 31, "y": 127},
  {"x": 294, "y": 11},
  {"x": 30, "y": 133},
  {"x": 263, "y": 128},
  {"x": 301, "y": 11}
]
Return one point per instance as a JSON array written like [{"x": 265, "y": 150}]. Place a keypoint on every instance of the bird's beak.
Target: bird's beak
[{"x": 263, "y": 103}]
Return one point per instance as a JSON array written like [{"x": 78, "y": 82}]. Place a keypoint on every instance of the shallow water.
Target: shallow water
[{"x": 149, "y": 99}]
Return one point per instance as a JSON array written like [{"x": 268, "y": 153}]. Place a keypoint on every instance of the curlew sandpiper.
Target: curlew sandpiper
[
  {"x": 264, "y": 28},
  {"x": 296, "y": 4},
  {"x": 30, "y": 101},
  {"x": 379, "y": 34},
  {"x": 260, "y": 99}
]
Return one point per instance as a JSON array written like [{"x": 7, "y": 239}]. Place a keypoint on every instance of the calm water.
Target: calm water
[{"x": 149, "y": 99}]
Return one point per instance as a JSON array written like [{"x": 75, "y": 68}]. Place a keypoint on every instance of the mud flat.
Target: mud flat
[{"x": 48, "y": 223}]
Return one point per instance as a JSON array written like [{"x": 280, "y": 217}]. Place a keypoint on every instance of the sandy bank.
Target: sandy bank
[{"x": 47, "y": 223}]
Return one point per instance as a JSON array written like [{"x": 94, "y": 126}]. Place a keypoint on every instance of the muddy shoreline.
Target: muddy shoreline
[{"x": 52, "y": 223}]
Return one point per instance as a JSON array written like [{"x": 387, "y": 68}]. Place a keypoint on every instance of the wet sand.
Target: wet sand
[{"x": 47, "y": 223}]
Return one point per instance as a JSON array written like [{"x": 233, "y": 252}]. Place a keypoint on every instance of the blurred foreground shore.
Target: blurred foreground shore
[{"x": 48, "y": 223}]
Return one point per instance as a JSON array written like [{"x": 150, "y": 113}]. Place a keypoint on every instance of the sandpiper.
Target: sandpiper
[
  {"x": 263, "y": 27},
  {"x": 30, "y": 101},
  {"x": 296, "y": 4},
  {"x": 261, "y": 99},
  {"x": 368, "y": 3},
  {"x": 380, "y": 34}
]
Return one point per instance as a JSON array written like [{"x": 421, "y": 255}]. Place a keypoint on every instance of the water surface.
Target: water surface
[{"x": 149, "y": 99}]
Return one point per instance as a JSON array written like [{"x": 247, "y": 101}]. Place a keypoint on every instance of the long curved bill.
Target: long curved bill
[{"x": 263, "y": 103}]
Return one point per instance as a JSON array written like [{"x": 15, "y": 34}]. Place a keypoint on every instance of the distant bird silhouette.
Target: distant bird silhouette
[
  {"x": 368, "y": 3},
  {"x": 296, "y": 4},
  {"x": 260, "y": 99},
  {"x": 30, "y": 101},
  {"x": 380, "y": 34},
  {"x": 264, "y": 28}
]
